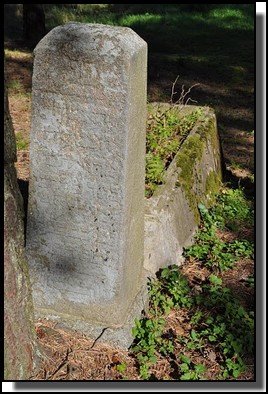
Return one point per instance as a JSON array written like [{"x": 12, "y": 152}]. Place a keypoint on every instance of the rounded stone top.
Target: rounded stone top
[{"x": 84, "y": 38}]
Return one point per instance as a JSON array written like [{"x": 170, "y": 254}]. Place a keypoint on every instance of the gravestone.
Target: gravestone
[{"x": 85, "y": 226}]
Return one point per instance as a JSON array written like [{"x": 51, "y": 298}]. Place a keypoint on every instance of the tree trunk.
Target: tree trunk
[
  {"x": 34, "y": 27},
  {"x": 20, "y": 347}
]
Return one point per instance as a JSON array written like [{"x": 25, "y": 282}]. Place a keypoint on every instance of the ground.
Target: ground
[{"x": 70, "y": 355}]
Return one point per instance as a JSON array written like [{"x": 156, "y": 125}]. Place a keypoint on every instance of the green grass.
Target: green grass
[
  {"x": 17, "y": 53},
  {"x": 22, "y": 143},
  {"x": 240, "y": 166},
  {"x": 231, "y": 18},
  {"x": 15, "y": 86},
  {"x": 16, "y": 89},
  {"x": 84, "y": 13}
]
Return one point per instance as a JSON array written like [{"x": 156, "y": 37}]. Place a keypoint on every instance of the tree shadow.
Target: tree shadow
[
  {"x": 13, "y": 22},
  {"x": 24, "y": 190}
]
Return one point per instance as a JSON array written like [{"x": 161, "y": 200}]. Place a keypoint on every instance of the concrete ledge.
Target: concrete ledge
[{"x": 171, "y": 214}]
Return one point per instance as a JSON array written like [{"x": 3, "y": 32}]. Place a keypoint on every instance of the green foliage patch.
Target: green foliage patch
[
  {"x": 231, "y": 211},
  {"x": 217, "y": 319}
]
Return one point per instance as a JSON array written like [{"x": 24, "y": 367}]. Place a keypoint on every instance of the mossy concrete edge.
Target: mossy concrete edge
[{"x": 194, "y": 176}]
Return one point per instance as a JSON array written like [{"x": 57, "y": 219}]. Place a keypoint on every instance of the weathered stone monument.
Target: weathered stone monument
[{"x": 85, "y": 227}]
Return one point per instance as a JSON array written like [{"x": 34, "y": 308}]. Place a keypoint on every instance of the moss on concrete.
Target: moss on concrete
[
  {"x": 190, "y": 153},
  {"x": 187, "y": 160},
  {"x": 213, "y": 183},
  {"x": 206, "y": 130}
]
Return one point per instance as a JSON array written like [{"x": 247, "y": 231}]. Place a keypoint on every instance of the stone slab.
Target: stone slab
[{"x": 85, "y": 227}]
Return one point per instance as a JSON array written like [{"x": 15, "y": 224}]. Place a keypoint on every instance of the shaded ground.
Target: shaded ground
[{"x": 226, "y": 83}]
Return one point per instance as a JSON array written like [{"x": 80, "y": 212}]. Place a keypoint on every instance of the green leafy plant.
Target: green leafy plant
[
  {"x": 121, "y": 368},
  {"x": 166, "y": 131},
  {"x": 250, "y": 281},
  {"x": 217, "y": 318},
  {"x": 228, "y": 325},
  {"x": 234, "y": 209},
  {"x": 190, "y": 371},
  {"x": 208, "y": 248},
  {"x": 148, "y": 333},
  {"x": 15, "y": 85},
  {"x": 169, "y": 290}
]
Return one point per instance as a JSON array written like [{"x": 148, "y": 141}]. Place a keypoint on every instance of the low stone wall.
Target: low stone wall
[{"x": 171, "y": 214}]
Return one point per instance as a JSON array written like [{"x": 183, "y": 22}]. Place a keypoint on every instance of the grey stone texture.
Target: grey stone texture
[
  {"x": 194, "y": 176},
  {"x": 118, "y": 336},
  {"x": 85, "y": 226}
]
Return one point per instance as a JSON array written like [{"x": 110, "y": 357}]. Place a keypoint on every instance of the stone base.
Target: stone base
[{"x": 120, "y": 337}]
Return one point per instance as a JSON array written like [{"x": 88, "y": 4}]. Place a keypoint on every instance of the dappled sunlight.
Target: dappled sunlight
[
  {"x": 229, "y": 18},
  {"x": 152, "y": 19}
]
